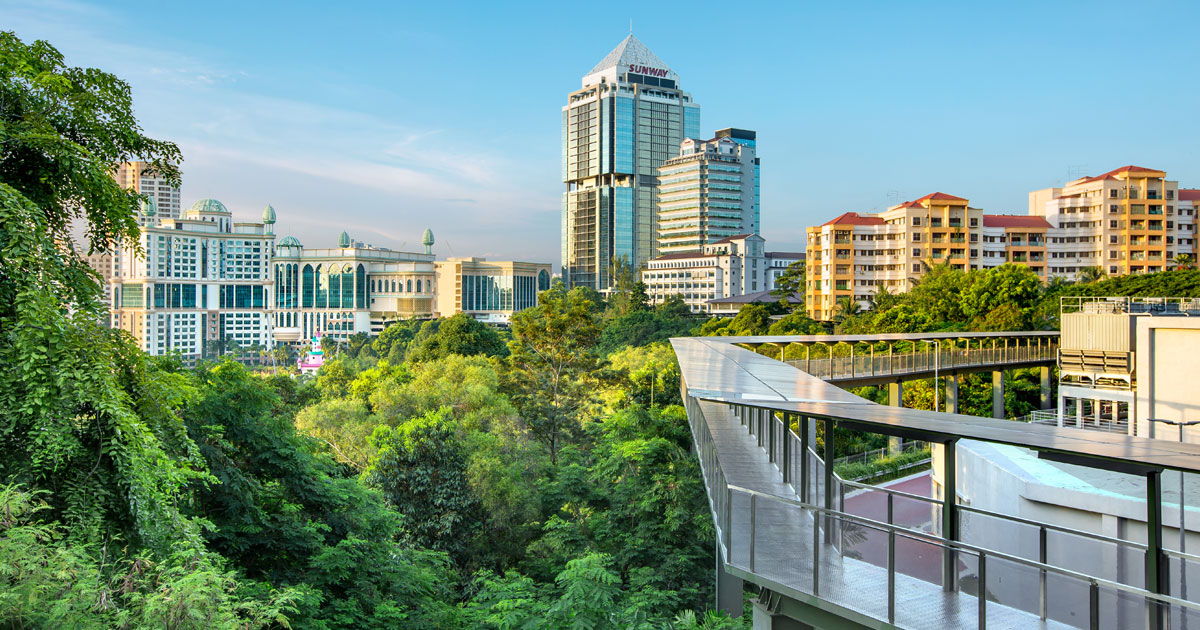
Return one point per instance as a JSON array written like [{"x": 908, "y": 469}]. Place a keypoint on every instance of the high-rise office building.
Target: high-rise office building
[
  {"x": 707, "y": 193},
  {"x": 748, "y": 138},
  {"x": 628, "y": 119},
  {"x": 138, "y": 177}
]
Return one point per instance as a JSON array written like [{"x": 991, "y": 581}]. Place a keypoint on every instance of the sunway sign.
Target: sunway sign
[{"x": 654, "y": 72}]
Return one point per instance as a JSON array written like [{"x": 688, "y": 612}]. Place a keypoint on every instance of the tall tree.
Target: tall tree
[
  {"x": 82, "y": 411},
  {"x": 790, "y": 285},
  {"x": 552, "y": 353}
]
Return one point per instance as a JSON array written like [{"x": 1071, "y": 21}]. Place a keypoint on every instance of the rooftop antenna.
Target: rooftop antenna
[
  {"x": 631, "y": 26},
  {"x": 1075, "y": 171},
  {"x": 893, "y": 197}
]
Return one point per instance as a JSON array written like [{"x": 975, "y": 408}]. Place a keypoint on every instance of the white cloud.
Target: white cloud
[{"x": 325, "y": 168}]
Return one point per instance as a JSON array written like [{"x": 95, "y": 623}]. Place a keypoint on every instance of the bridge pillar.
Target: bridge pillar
[
  {"x": 1046, "y": 404},
  {"x": 949, "y": 513},
  {"x": 998, "y": 394},
  {"x": 729, "y": 589},
  {"x": 895, "y": 399},
  {"x": 952, "y": 393}
]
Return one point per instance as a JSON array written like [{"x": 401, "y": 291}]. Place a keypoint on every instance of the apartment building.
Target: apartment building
[
  {"x": 1008, "y": 238},
  {"x": 855, "y": 255},
  {"x": 731, "y": 266},
  {"x": 1125, "y": 221}
]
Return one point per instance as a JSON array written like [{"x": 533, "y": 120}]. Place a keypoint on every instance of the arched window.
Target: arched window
[
  {"x": 360, "y": 287},
  {"x": 418, "y": 286},
  {"x": 347, "y": 287},
  {"x": 309, "y": 288},
  {"x": 322, "y": 300},
  {"x": 393, "y": 286},
  {"x": 335, "y": 286},
  {"x": 410, "y": 285},
  {"x": 543, "y": 280}
]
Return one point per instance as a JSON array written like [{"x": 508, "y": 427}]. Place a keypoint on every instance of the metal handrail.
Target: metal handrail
[
  {"x": 961, "y": 546},
  {"x": 1117, "y": 542}
]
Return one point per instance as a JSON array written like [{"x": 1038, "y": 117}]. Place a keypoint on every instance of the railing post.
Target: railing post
[
  {"x": 981, "y": 591},
  {"x": 728, "y": 525},
  {"x": 752, "y": 528},
  {"x": 816, "y": 553},
  {"x": 890, "y": 511},
  {"x": 1042, "y": 593},
  {"x": 804, "y": 446},
  {"x": 1094, "y": 606},
  {"x": 787, "y": 447},
  {"x": 828, "y": 475},
  {"x": 891, "y": 564}
]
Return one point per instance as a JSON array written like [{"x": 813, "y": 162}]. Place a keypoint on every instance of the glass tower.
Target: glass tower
[{"x": 626, "y": 121}]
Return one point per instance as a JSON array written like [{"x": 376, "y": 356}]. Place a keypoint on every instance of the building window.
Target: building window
[
  {"x": 916, "y": 251},
  {"x": 916, "y": 220},
  {"x": 917, "y": 268}
]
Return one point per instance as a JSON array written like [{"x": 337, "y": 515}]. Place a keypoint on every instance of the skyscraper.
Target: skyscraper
[
  {"x": 707, "y": 193},
  {"x": 627, "y": 120}
]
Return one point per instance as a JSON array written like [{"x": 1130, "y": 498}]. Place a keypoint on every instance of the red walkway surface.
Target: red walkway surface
[{"x": 918, "y": 559}]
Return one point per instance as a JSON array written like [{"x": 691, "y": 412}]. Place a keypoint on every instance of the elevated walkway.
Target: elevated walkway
[{"x": 782, "y": 524}]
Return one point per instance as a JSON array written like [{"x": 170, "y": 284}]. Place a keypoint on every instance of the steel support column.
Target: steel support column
[
  {"x": 952, "y": 392},
  {"x": 998, "y": 394},
  {"x": 729, "y": 589},
  {"x": 895, "y": 399},
  {"x": 1045, "y": 387},
  {"x": 1156, "y": 562},
  {"x": 949, "y": 514}
]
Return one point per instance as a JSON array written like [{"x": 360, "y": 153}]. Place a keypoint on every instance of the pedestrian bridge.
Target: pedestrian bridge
[{"x": 782, "y": 519}]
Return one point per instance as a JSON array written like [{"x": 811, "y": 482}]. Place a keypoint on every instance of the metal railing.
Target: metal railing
[
  {"x": 1151, "y": 305},
  {"x": 1090, "y": 423},
  {"x": 834, "y": 541},
  {"x": 882, "y": 365}
]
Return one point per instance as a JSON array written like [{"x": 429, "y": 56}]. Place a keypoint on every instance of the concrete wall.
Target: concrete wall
[{"x": 1168, "y": 361}]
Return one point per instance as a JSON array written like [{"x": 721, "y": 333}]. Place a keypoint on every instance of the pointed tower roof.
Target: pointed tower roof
[
  {"x": 631, "y": 55},
  {"x": 344, "y": 240}
]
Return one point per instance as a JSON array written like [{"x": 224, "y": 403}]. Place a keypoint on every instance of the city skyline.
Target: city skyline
[{"x": 322, "y": 113}]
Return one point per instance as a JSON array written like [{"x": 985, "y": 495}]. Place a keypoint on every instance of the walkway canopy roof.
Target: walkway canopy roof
[{"x": 714, "y": 369}]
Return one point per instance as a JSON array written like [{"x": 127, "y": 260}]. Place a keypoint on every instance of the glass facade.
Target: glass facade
[
  {"x": 241, "y": 296},
  {"x": 615, "y": 136},
  {"x": 175, "y": 296},
  {"x": 499, "y": 292}
]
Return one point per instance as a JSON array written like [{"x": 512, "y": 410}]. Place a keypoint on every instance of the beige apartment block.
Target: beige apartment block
[
  {"x": 854, "y": 255},
  {"x": 1125, "y": 221}
]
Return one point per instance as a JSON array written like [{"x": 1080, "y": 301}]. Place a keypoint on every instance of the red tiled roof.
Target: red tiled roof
[
  {"x": 730, "y": 239},
  {"x": 1189, "y": 194},
  {"x": 939, "y": 196},
  {"x": 1130, "y": 168},
  {"x": 1014, "y": 221},
  {"x": 854, "y": 218}
]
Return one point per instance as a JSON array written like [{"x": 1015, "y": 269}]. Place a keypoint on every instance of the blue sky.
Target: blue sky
[{"x": 387, "y": 118}]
